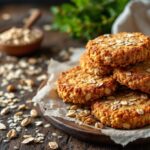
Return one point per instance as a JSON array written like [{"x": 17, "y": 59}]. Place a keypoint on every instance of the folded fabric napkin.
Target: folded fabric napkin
[{"x": 134, "y": 18}]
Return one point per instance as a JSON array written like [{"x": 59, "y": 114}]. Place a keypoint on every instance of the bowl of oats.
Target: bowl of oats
[{"x": 20, "y": 41}]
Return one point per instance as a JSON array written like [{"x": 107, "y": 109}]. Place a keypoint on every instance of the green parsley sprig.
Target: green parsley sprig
[{"x": 86, "y": 19}]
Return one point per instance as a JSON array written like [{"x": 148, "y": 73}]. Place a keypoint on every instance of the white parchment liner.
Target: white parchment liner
[{"x": 52, "y": 106}]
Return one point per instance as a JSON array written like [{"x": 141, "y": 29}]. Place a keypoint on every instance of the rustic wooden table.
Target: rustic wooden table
[{"x": 53, "y": 43}]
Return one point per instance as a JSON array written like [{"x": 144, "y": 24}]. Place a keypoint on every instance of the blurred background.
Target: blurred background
[
  {"x": 80, "y": 19},
  {"x": 32, "y": 1}
]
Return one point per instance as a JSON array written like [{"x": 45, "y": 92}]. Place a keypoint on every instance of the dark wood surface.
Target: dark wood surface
[{"x": 53, "y": 43}]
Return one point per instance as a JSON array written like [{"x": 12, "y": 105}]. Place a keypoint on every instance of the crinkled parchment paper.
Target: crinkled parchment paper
[{"x": 51, "y": 105}]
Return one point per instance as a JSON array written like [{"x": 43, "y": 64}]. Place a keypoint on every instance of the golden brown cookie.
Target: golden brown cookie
[
  {"x": 135, "y": 77},
  {"x": 93, "y": 68},
  {"x": 120, "y": 49},
  {"x": 76, "y": 86},
  {"x": 126, "y": 110}
]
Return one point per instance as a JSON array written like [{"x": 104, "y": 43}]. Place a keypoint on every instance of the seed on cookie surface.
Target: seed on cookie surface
[{"x": 140, "y": 111}]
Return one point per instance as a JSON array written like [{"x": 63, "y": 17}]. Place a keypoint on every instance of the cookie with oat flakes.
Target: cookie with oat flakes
[
  {"x": 124, "y": 110},
  {"x": 93, "y": 68},
  {"x": 76, "y": 86},
  {"x": 136, "y": 77},
  {"x": 119, "y": 50}
]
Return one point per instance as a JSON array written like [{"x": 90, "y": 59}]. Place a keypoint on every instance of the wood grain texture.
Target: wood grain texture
[{"x": 53, "y": 43}]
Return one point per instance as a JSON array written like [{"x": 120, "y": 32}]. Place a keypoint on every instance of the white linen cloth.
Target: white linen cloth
[{"x": 134, "y": 18}]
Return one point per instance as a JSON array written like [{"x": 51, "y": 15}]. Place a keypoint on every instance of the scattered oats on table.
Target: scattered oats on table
[
  {"x": 28, "y": 140},
  {"x": 11, "y": 134},
  {"x": 2, "y": 126},
  {"x": 25, "y": 122},
  {"x": 34, "y": 113},
  {"x": 18, "y": 78}
]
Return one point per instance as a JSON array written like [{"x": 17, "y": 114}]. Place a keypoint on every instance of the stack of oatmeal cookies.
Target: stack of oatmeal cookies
[{"x": 108, "y": 62}]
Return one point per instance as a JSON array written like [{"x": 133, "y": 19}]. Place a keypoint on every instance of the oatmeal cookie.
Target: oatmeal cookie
[
  {"x": 76, "y": 86},
  {"x": 135, "y": 77},
  {"x": 93, "y": 68},
  {"x": 119, "y": 50},
  {"x": 124, "y": 110}
]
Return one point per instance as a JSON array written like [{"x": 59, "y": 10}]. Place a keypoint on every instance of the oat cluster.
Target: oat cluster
[{"x": 109, "y": 59}]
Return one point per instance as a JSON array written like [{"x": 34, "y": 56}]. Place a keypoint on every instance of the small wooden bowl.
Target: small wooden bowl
[{"x": 22, "y": 49}]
